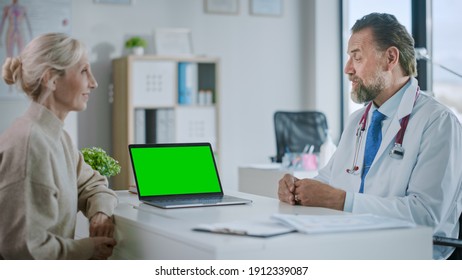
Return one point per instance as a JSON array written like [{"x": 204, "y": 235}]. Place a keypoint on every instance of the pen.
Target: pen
[
  {"x": 311, "y": 150},
  {"x": 230, "y": 231}
]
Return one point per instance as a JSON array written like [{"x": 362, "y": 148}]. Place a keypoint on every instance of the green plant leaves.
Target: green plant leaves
[
  {"x": 135, "y": 42},
  {"x": 100, "y": 161}
]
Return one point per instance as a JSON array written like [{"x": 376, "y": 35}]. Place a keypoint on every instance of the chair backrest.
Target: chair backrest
[
  {"x": 452, "y": 242},
  {"x": 295, "y": 130},
  {"x": 457, "y": 255}
]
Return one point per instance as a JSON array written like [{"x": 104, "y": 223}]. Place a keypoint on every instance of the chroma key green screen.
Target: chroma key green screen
[{"x": 170, "y": 170}]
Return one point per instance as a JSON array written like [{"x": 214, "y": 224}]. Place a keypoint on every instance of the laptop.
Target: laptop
[{"x": 178, "y": 175}]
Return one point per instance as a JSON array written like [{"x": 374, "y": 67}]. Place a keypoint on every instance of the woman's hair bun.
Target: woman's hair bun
[{"x": 11, "y": 70}]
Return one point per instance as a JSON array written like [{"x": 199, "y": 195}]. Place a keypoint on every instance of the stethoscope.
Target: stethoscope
[{"x": 396, "y": 152}]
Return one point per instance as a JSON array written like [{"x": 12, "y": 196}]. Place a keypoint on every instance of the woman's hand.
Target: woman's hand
[
  {"x": 101, "y": 225},
  {"x": 103, "y": 247}
]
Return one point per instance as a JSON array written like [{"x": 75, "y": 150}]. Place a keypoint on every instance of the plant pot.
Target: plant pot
[{"x": 138, "y": 50}]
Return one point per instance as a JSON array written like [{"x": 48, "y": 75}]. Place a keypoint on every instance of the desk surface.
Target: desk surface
[
  {"x": 146, "y": 232},
  {"x": 263, "y": 179}
]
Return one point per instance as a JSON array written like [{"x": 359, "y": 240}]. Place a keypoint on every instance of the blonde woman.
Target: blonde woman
[{"x": 44, "y": 180}]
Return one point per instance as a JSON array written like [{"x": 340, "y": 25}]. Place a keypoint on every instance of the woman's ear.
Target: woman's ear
[{"x": 48, "y": 81}]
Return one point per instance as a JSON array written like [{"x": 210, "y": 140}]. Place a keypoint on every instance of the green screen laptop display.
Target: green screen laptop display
[{"x": 172, "y": 170}]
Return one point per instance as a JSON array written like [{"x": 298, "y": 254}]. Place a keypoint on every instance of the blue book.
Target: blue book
[{"x": 187, "y": 83}]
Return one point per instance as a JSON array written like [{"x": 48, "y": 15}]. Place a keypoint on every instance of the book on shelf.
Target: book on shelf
[
  {"x": 140, "y": 126},
  {"x": 159, "y": 125},
  {"x": 167, "y": 125},
  {"x": 187, "y": 83}
]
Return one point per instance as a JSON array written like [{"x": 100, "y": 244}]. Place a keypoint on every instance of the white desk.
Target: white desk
[
  {"x": 263, "y": 179},
  {"x": 146, "y": 232}
]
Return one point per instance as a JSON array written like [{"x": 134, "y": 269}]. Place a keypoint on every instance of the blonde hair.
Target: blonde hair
[{"x": 48, "y": 54}]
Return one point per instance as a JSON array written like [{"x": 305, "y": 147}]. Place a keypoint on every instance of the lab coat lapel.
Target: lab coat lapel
[{"x": 405, "y": 108}]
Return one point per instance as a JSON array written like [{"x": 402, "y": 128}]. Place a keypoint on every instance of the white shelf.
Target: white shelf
[{"x": 147, "y": 107}]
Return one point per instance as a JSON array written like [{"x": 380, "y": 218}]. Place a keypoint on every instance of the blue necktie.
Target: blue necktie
[{"x": 373, "y": 140}]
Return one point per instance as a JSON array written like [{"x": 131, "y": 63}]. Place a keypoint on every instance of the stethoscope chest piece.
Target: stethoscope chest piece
[{"x": 397, "y": 151}]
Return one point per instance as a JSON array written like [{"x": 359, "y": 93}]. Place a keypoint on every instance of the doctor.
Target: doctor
[{"x": 415, "y": 171}]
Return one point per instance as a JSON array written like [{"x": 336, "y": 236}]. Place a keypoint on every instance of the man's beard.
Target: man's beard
[{"x": 363, "y": 93}]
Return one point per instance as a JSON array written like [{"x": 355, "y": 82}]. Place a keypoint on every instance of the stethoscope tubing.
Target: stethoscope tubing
[{"x": 397, "y": 150}]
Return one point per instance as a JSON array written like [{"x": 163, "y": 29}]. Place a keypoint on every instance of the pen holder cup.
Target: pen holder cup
[
  {"x": 310, "y": 162},
  {"x": 292, "y": 161}
]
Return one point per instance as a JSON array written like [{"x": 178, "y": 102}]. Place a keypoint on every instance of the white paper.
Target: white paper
[
  {"x": 260, "y": 228},
  {"x": 339, "y": 223}
]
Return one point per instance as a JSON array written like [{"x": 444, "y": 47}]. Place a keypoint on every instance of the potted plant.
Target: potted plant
[
  {"x": 100, "y": 161},
  {"x": 136, "y": 45}
]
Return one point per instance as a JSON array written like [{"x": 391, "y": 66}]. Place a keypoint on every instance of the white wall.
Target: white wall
[
  {"x": 267, "y": 64},
  {"x": 323, "y": 45}
]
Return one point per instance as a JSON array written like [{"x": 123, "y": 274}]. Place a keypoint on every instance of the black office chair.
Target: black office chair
[
  {"x": 453, "y": 242},
  {"x": 295, "y": 130}
]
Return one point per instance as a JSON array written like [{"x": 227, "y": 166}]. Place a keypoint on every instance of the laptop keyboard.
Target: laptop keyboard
[
  {"x": 191, "y": 200},
  {"x": 202, "y": 200}
]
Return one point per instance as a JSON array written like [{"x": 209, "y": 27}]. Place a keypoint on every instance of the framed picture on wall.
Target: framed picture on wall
[
  {"x": 21, "y": 22},
  {"x": 266, "y": 7},
  {"x": 230, "y": 7},
  {"x": 172, "y": 41}
]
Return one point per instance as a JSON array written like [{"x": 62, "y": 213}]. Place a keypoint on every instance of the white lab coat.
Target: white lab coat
[{"x": 425, "y": 185}]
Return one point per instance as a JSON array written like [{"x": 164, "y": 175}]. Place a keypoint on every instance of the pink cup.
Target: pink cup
[{"x": 310, "y": 162}]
